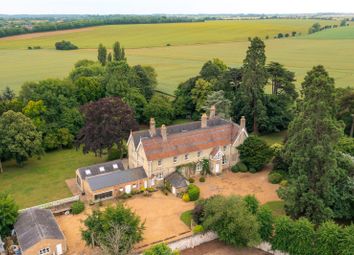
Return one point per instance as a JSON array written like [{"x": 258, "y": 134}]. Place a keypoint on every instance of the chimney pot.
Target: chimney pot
[
  {"x": 212, "y": 112},
  {"x": 204, "y": 122},
  {"x": 152, "y": 127},
  {"x": 164, "y": 133}
]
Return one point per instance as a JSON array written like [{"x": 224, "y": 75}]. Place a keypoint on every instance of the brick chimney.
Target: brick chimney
[
  {"x": 164, "y": 133},
  {"x": 243, "y": 122},
  {"x": 204, "y": 122},
  {"x": 152, "y": 127},
  {"x": 212, "y": 112}
]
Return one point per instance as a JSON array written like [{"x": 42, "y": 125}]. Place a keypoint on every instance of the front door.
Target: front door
[
  {"x": 59, "y": 249},
  {"x": 217, "y": 168}
]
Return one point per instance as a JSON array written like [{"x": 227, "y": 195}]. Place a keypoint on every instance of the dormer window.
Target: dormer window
[
  {"x": 102, "y": 169},
  {"x": 115, "y": 166},
  {"x": 88, "y": 172}
]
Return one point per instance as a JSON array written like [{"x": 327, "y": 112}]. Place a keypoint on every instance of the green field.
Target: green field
[
  {"x": 177, "y": 63},
  {"x": 41, "y": 181}
]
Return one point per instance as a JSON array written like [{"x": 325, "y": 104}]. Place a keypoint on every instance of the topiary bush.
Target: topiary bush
[
  {"x": 198, "y": 229},
  {"x": 275, "y": 178},
  {"x": 191, "y": 180},
  {"x": 185, "y": 197},
  {"x": 77, "y": 207},
  {"x": 193, "y": 192},
  {"x": 202, "y": 179}
]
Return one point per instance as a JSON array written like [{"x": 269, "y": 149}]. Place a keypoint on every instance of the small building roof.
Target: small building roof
[
  {"x": 115, "y": 178},
  {"x": 35, "y": 225},
  {"x": 177, "y": 180},
  {"x": 100, "y": 169}
]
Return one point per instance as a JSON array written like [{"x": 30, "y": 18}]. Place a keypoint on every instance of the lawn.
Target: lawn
[
  {"x": 277, "y": 207},
  {"x": 274, "y": 137},
  {"x": 41, "y": 181},
  {"x": 176, "y": 64},
  {"x": 152, "y": 35},
  {"x": 186, "y": 217}
]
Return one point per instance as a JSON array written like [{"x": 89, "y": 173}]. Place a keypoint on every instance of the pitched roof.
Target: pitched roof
[
  {"x": 115, "y": 178},
  {"x": 34, "y": 225},
  {"x": 95, "y": 169},
  {"x": 180, "y": 141},
  {"x": 177, "y": 180}
]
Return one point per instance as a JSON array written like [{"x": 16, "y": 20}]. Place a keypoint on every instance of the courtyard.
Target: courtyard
[{"x": 161, "y": 213}]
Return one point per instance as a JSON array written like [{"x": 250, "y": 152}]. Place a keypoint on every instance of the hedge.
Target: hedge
[{"x": 193, "y": 192}]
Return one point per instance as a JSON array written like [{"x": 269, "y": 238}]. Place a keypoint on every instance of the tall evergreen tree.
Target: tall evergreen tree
[
  {"x": 310, "y": 150},
  {"x": 118, "y": 52},
  {"x": 102, "y": 54},
  {"x": 254, "y": 79}
]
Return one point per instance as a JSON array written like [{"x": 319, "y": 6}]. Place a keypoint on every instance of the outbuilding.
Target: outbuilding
[
  {"x": 177, "y": 182},
  {"x": 38, "y": 233}
]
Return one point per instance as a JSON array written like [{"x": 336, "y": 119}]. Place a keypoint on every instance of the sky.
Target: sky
[{"x": 172, "y": 6}]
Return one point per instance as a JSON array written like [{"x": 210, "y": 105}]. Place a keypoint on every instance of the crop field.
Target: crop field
[
  {"x": 154, "y": 35},
  {"x": 175, "y": 64}
]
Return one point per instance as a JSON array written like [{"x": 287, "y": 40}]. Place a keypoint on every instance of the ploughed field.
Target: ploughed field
[{"x": 192, "y": 44}]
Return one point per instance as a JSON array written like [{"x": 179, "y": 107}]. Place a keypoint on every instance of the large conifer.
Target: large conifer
[{"x": 310, "y": 150}]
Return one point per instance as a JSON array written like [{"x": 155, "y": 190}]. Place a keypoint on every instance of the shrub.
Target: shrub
[
  {"x": 235, "y": 169},
  {"x": 202, "y": 179},
  {"x": 160, "y": 249},
  {"x": 255, "y": 153},
  {"x": 242, "y": 167},
  {"x": 193, "y": 192},
  {"x": 284, "y": 183},
  {"x": 113, "y": 154},
  {"x": 198, "y": 229},
  {"x": 191, "y": 180},
  {"x": 252, "y": 203},
  {"x": 252, "y": 170},
  {"x": 65, "y": 45},
  {"x": 347, "y": 241},
  {"x": 77, "y": 207},
  {"x": 328, "y": 237},
  {"x": 185, "y": 197},
  {"x": 151, "y": 189},
  {"x": 275, "y": 178},
  {"x": 265, "y": 220},
  {"x": 198, "y": 213}
]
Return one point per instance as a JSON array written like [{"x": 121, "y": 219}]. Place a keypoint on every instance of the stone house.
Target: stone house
[
  {"x": 156, "y": 153},
  {"x": 162, "y": 151},
  {"x": 37, "y": 232}
]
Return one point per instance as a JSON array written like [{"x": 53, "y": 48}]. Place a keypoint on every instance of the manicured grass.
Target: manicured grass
[
  {"x": 41, "y": 181},
  {"x": 274, "y": 137},
  {"x": 152, "y": 35},
  {"x": 277, "y": 207},
  {"x": 186, "y": 217},
  {"x": 176, "y": 64}
]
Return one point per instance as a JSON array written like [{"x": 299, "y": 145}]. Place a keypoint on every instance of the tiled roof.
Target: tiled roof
[
  {"x": 34, "y": 225},
  {"x": 98, "y": 170},
  {"x": 179, "y": 143},
  {"x": 177, "y": 180},
  {"x": 115, "y": 178}
]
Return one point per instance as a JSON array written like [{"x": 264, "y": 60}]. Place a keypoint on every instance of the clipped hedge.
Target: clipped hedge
[
  {"x": 193, "y": 192},
  {"x": 202, "y": 179},
  {"x": 275, "y": 178},
  {"x": 239, "y": 167},
  {"x": 77, "y": 207},
  {"x": 198, "y": 229}
]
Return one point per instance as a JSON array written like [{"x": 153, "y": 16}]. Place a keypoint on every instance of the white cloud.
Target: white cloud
[{"x": 173, "y": 6}]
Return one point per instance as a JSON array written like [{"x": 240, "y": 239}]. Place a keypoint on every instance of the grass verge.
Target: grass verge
[
  {"x": 277, "y": 207},
  {"x": 186, "y": 217}
]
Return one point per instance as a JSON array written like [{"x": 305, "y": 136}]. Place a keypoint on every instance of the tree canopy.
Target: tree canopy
[{"x": 8, "y": 214}]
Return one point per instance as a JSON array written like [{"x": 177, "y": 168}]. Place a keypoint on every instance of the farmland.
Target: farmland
[{"x": 190, "y": 48}]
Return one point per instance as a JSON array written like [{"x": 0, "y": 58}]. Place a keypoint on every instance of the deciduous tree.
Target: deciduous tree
[
  {"x": 8, "y": 214},
  {"x": 107, "y": 122}
]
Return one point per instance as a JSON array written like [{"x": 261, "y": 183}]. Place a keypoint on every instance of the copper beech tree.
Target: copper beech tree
[{"x": 107, "y": 122}]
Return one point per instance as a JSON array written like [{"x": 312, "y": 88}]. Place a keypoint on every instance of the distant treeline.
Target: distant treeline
[{"x": 10, "y": 27}]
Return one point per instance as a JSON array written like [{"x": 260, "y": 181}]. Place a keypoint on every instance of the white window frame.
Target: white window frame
[
  {"x": 199, "y": 167},
  {"x": 199, "y": 153},
  {"x": 159, "y": 162},
  {"x": 186, "y": 156},
  {"x": 224, "y": 160},
  {"x": 160, "y": 176},
  {"x": 175, "y": 159}
]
